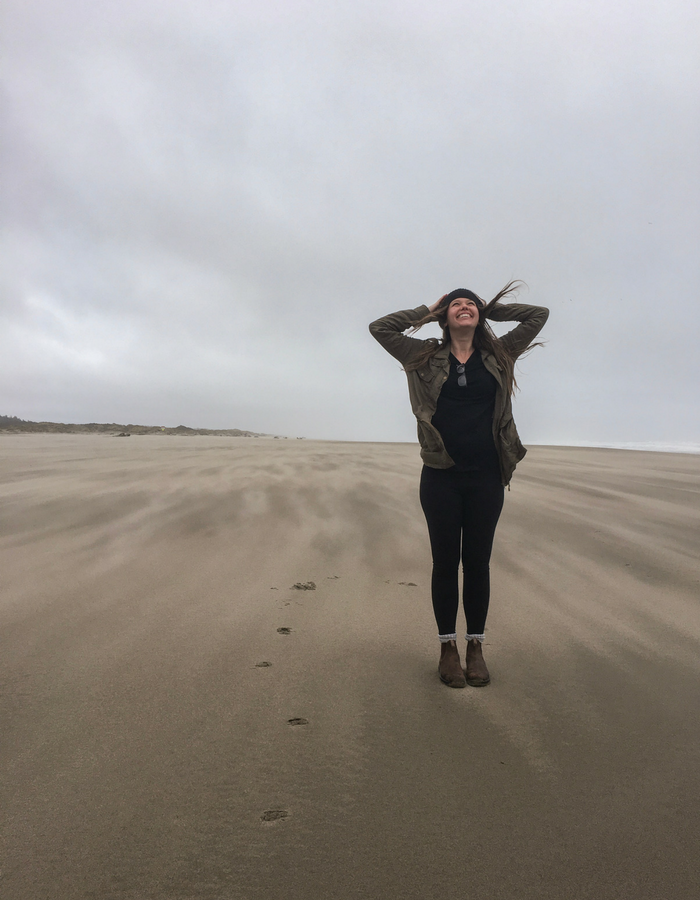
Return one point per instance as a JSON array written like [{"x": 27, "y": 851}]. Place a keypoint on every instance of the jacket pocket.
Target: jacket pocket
[
  {"x": 510, "y": 440},
  {"x": 429, "y": 438},
  {"x": 426, "y": 373}
]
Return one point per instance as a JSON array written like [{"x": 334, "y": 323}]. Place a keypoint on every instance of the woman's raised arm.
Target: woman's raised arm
[
  {"x": 389, "y": 332},
  {"x": 531, "y": 319}
]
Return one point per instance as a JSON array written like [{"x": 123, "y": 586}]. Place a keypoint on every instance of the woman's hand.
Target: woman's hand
[{"x": 435, "y": 306}]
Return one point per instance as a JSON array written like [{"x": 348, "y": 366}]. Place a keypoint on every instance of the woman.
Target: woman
[{"x": 460, "y": 389}]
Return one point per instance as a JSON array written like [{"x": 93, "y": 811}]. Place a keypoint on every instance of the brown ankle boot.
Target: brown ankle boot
[
  {"x": 477, "y": 673},
  {"x": 450, "y": 668}
]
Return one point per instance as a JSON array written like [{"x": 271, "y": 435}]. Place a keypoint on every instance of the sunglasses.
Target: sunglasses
[{"x": 461, "y": 377}]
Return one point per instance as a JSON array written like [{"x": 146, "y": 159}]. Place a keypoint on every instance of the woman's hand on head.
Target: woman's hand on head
[{"x": 436, "y": 305}]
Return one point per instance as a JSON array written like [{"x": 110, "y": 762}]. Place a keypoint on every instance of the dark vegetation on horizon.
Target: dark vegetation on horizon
[{"x": 14, "y": 425}]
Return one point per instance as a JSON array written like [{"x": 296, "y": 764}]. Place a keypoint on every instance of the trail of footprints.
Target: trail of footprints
[{"x": 275, "y": 815}]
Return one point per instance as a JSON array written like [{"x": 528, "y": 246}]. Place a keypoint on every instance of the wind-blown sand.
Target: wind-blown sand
[{"x": 143, "y": 581}]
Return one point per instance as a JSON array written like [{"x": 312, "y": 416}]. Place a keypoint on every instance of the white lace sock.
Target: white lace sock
[{"x": 446, "y": 638}]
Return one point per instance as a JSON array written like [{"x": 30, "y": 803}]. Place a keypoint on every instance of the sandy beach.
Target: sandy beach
[{"x": 179, "y": 722}]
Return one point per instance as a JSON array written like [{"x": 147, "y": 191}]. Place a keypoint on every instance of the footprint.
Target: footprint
[
  {"x": 272, "y": 815},
  {"x": 274, "y": 589},
  {"x": 284, "y": 631},
  {"x": 332, "y": 577},
  {"x": 408, "y": 583},
  {"x": 303, "y": 586},
  {"x": 297, "y": 721},
  {"x": 263, "y": 665}
]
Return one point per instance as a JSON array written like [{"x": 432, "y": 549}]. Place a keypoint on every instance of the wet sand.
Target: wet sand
[{"x": 148, "y": 754}]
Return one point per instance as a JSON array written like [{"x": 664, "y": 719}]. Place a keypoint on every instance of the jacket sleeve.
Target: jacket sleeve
[
  {"x": 531, "y": 319},
  {"x": 389, "y": 332}
]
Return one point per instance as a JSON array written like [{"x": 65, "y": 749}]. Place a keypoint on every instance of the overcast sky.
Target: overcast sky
[{"x": 205, "y": 203}]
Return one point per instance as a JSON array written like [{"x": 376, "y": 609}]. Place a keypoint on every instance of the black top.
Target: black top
[{"x": 464, "y": 417}]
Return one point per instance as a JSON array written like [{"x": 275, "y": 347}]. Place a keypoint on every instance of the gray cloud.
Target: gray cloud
[{"x": 207, "y": 203}]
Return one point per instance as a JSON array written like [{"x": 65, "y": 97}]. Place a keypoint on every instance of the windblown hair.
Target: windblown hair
[{"x": 484, "y": 338}]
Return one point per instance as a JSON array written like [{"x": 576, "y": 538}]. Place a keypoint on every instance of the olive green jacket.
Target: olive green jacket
[{"x": 425, "y": 383}]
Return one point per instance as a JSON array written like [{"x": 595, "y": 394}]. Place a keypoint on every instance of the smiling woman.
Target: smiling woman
[{"x": 460, "y": 389}]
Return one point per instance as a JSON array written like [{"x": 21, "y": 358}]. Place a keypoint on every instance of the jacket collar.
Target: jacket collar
[
  {"x": 492, "y": 366},
  {"x": 441, "y": 356}
]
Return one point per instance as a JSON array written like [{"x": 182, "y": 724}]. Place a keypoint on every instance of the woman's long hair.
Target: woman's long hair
[{"x": 484, "y": 338}]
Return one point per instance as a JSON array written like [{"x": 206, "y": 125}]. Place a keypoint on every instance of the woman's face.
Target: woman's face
[{"x": 462, "y": 312}]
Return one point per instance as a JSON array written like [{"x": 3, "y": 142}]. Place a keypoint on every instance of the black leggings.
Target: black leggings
[{"x": 462, "y": 510}]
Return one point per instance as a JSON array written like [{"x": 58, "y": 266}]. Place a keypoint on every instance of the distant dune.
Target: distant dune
[{"x": 13, "y": 425}]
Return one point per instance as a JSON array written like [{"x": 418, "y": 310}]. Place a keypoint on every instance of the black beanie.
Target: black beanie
[{"x": 461, "y": 292}]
